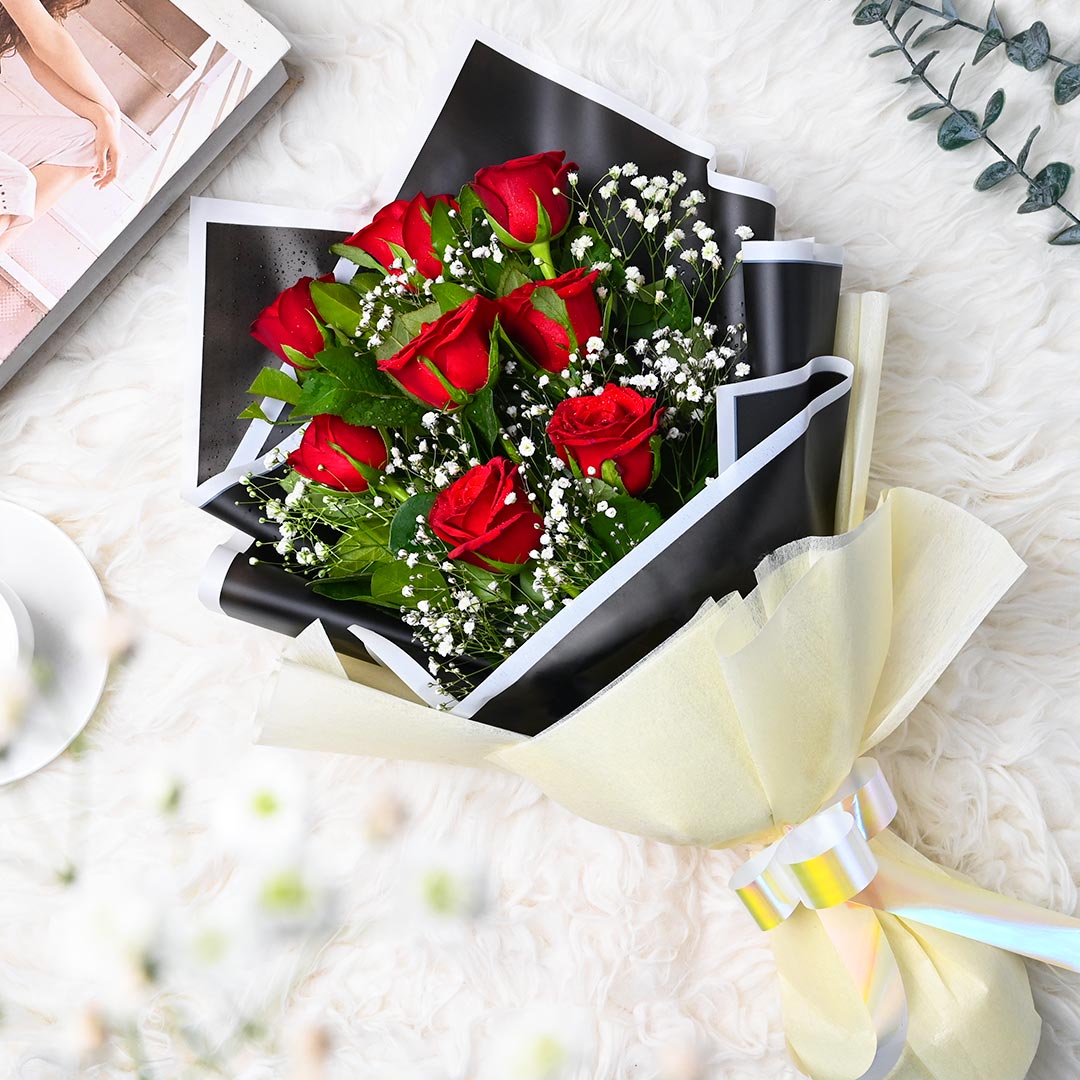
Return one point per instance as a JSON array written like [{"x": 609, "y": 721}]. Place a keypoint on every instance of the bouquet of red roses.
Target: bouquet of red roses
[{"x": 509, "y": 393}]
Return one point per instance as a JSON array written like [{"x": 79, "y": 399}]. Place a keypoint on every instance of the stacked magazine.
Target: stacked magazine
[{"x": 97, "y": 148}]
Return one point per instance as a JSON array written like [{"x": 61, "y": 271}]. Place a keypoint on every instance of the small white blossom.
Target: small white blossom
[{"x": 744, "y": 232}]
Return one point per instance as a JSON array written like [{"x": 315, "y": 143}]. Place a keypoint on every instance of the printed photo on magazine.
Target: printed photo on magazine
[{"x": 102, "y": 102}]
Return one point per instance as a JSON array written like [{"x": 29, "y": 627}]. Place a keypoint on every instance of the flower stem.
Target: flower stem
[
  {"x": 542, "y": 251},
  {"x": 947, "y": 102}
]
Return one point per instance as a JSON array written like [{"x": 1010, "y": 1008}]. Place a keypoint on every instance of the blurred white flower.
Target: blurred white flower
[
  {"x": 546, "y": 1042},
  {"x": 263, "y": 812},
  {"x": 443, "y": 887}
]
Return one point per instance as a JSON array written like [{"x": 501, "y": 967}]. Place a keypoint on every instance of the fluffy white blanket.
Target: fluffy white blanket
[{"x": 640, "y": 945}]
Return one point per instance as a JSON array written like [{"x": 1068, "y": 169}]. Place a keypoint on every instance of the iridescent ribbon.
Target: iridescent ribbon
[{"x": 828, "y": 864}]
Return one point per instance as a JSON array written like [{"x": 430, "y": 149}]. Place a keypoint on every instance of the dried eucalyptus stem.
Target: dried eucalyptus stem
[
  {"x": 1030, "y": 49},
  {"x": 961, "y": 127}
]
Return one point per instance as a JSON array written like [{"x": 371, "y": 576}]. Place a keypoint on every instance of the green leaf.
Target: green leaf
[
  {"x": 389, "y": 579},
  {"x": 510, "y": 278},
  {"x": 360, "y": 589},
  {"x": 274, "y": 383},
  {"x": 449, "y": 294},
  {"x": 884, "y": 51},
  {"x": 481, "y": 414},
  {"x": 443, "y": 233},
  {"x": 955, "y": 82},
  {"x": 870, "y": 13},
  {"x": 1067, "y": 86},
  {"x": 925, "y": 110},
  {"x": 470, "y": 205},
  {"x": 338, "y": 305},
  {"x": 678, "y": 310},
  {"x": 909, "y": 33},
  {"x": 993, "y": 22},
  {"x": 403, "y": 527},
  {"x": 322, "y": 393},
  {"x": 254, "y": 412},
  {"x": 548, "y": 302},
  {"x": 1047, "y": 188},
  {"x": 638, "y": 519},
  {"x": 994, "y": 175},
  {"x": 358, "y": 256},
  {"x": 357, "y": 371},
  {"x": 405, "y": 328},
  {"x": 368, "y": 411},
  {"x": 1021, "y": 160},
  {"x": 1067, "y": 237},
  {"x": 993, "y": 108},
  {"x": 1031, "y": 49},
  {"x": 489, "y": 587},
  {"x": 958, "y": 129},
  {"x": 990, "y": 41}
]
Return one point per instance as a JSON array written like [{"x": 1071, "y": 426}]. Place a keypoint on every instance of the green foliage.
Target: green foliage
[
  {"x": 959, "y": 129},
  {"x": 337, "y": 305},
  {"x": 1047, "y": 188},
  {"x": 1067, "y": 86},
  {"x": 405, "y": 328},
  {"x": 389, "y": 579},
  {"x": 403, "y": 527},
  {"x": 274, "y": 383},
  {"x": 994, "y": 174},
  {"x": 1031, "y": 49},
  {"x": 633, "y": 521}
]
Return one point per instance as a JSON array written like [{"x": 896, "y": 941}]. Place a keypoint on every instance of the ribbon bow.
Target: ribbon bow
[{"x": 825, "y": 861}]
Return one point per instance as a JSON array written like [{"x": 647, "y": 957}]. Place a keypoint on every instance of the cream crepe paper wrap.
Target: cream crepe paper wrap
[{"x": 742, "y": 725}]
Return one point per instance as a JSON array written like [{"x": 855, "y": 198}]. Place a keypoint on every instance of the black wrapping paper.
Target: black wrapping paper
[{"x": 788, "y": 431}]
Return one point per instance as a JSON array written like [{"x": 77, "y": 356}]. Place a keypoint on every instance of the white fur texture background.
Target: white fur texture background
[{"x": 641, "y": 943}]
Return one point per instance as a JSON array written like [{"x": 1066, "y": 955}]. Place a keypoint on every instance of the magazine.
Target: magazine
[{"x": 110, "y": 110}]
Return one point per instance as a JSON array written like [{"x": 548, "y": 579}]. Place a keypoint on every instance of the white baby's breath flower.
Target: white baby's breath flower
[
  {"x": 742, "y": 370},
  {"x": 526, "y": 448},
  {"x": 744, "y": 232}
]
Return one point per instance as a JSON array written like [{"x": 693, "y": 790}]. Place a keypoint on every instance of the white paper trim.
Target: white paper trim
[{"x": 803, "y": 251}]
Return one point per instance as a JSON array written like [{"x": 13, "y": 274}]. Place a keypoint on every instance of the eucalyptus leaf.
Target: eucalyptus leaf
[
  {"x": 1031, "y": 49},
  {"x": 1047, "y": 188},
  {"x": 1022, "y": 158},
  {"x": 1067, "y": 86},
  {"x": 884, "y": 51},
  {"x": 993, "y": 22},
  {"x": 955, "y": 82},
  {"x": 404, "y": 525},
  {"x": 990, "y": 41},
  {"x": 919, "y": 69},
  {"x": 1067, "y": 237},
  {"x": 948, "y": 9},
  {"x": 870, "y": 13},
  {"x": 925, "y": 110},
  {"x": 274, "y": 383},
  {"x": 993, "y": 108},
  {"x": 902, "y": 8},
  {"x": 909, "y": 33},
  {"x": 931, "y": 31},
  {"x": 958, "y": 129},
  {"x": 994, "y": 175}
]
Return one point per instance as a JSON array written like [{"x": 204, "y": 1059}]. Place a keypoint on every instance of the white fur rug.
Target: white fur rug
[{"x": 641, "y": 946}]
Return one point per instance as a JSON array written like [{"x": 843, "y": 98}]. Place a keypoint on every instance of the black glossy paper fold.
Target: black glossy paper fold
[
  {"x": 496, "y": 110},
  {"x": 790, "y": 313}
]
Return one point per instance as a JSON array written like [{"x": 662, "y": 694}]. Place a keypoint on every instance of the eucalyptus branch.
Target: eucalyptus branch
[
  {"x": 1029, "y": 49},
  {"x": 962, "y": 127}
]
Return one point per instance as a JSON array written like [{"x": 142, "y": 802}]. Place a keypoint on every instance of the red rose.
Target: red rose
[
  {"x": 416, "y": 233},
  {"x": 318, "y": 459},
  {"x": 448, "y": 361},
  {"x": 509, "y": 193},
  {"x": 486, "y": 517},
  {"x": 617, "y": 425},
  {"x": 292, "y": 320},
  {"x": 406, "y": 224},
  {"x": 542, "y": 337},
  {"x": 387, "y": 225}
]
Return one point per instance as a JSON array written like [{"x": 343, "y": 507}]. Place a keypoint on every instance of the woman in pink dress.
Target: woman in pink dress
[{"x": 43, "y": 157}]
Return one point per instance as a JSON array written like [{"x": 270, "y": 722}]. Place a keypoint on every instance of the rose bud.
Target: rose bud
[
  {"x": 292, "y": 320},
  {"x": 542, "y": 337},
  {"x": 486, "y": 518},
  {"x": 448, "y": 361},
  {"x": 618, "y": 426},
  {"x": 416, "y": 233},
  {"x": 318, "y": 458},
  {"x": 510, "y": 192},
  {"x": 387, "y": 225}
]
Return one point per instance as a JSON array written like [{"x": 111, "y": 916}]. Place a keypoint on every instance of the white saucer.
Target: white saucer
[{"x": 63, "y": 598}]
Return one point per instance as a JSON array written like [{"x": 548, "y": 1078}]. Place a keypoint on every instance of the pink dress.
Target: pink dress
[{"x": 29, "y": 141}]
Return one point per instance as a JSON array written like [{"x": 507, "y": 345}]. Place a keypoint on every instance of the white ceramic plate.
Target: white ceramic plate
[{"x": 67, "y": 608}]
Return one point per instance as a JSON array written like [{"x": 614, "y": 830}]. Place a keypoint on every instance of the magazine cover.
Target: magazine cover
[{"x": 101, "y": 103}]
